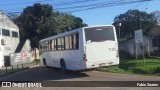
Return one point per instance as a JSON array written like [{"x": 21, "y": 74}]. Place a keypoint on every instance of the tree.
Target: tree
[
  {"x": 157, "y": 15},
  {"x": 13, "y": 16},
  {"x": 129, "y": 22},
  {"x": 32, "y": 20},
  {"x": 40, "y": 21}
]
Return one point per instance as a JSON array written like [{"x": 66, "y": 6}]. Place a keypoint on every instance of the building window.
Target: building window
[
  {"x": 14, "y": 34},
  {"x": 5, "y": 32}
]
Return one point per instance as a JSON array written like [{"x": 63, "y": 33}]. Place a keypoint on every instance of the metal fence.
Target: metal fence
[
  {"x": 17, "y": 59},
  {"x": 14, "y": 68}
]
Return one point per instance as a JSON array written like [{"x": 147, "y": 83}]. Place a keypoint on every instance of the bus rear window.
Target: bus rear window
[{"x": 97, "y": 34}]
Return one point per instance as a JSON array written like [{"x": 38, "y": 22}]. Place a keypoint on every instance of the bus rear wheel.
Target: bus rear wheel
[{"x": 63, "y": 66}]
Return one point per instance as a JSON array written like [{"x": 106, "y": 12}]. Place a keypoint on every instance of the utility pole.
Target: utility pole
[
  {"x": 138, "y": 20},
  {"x": 119, "y": 28},
  {"x": 139, "y": 27}
]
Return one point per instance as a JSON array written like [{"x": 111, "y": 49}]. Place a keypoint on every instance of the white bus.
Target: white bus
[{"x": 83, "y": 48}]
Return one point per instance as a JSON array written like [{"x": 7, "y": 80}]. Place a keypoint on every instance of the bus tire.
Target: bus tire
[
  {"x": 63, "y": 66},
  {"x": 45, "y": 63}
]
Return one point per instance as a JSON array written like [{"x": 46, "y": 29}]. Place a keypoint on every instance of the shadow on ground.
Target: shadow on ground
[{"x": 42, "y": 74}]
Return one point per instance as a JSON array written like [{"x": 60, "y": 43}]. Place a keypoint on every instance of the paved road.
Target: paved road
[
  {"x": 43, "y": 74},
  {"x": 52, "y": 74}
]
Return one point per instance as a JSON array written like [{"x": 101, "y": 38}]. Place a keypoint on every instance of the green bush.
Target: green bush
[{"x": 150, "y": 67}]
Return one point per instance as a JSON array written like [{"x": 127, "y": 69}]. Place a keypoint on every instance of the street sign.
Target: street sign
[
  {"x": 138, "y": 36},
  {"x": 24, "y": 55}
]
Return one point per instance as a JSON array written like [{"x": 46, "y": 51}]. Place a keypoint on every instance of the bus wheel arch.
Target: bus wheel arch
[
  {"x": 44, "y": 62},
  {"x": 63, "y": 66}
]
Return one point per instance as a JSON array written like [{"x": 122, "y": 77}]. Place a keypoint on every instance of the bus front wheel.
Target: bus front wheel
[
  {"x": 63, "y": 66},
  {"x": 45, "y": 63}
]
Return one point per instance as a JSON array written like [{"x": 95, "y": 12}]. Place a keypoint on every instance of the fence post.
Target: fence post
[{"x": 22, "y": 65}]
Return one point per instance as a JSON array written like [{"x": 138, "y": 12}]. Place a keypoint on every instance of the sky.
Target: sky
[{"x": 98, "y": 16}]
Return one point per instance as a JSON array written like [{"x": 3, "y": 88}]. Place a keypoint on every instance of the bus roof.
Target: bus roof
[
  {"x": 70, "y": 32},
  {"x": 61, "y": 35}
]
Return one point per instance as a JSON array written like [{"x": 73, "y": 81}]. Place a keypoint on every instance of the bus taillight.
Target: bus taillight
[{"x": 84, "y": 57}]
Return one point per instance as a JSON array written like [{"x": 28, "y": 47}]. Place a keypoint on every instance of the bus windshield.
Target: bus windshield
[{"x": 98, "y": 34}]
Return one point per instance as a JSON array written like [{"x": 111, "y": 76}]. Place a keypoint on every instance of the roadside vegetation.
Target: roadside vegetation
[{"x": 149, "y": 66}]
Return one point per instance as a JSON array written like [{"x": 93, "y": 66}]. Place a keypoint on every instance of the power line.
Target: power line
[
  {"x": 104, "y": 5},
  {"x": 137, "y": 6},
  {"x": 74, "y": 2},
  {"x": 23, "y": 3},
  {"x": 145, "y": 6},
  {"x": 95, "y": 5}
]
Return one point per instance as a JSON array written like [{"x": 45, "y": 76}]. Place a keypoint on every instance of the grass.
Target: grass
[{"x": 132, "y": 66}]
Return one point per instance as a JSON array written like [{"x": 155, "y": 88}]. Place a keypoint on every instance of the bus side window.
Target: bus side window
[
  {"x": 45, "y": 46},
  {"x": 66, "y": 43},
  {"x": 59, "y": 43},
  {"x": 77, "y": 41},
  {"x": 73, "y": 47},
  {"x": 70, "y": 42},
  {"x": 53, "y": 44},
  {"x": 62, "y": 43},
  {"x": 42, "y": 46},
  {"x": 48, "y": 45}
]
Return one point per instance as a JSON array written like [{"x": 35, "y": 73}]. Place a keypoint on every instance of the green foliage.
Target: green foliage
[
  {"x": 151, "y": 66},
  {"x": 40, "y": 21},
  {"x": 114, "y": 69},
  {"x": 129, "y": 21}
]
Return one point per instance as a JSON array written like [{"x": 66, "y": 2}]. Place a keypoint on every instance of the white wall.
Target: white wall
[
  {"x": 12, "y": 42},
  {"x": 129, "y": 46},
  {"x": 1, "y": 55}
]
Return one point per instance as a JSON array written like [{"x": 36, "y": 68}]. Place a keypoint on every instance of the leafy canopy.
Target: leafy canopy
[
  {"x": 129, "y": 21},
  {"x": 40, "y": 21}
]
